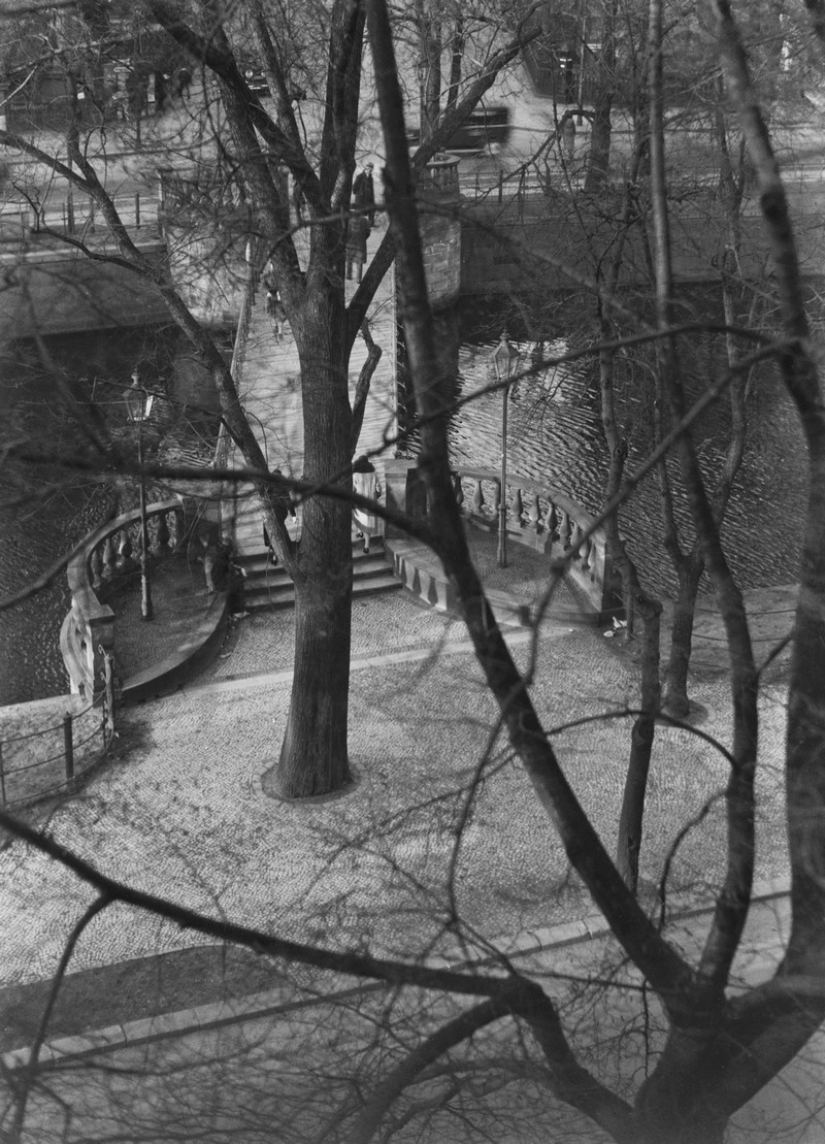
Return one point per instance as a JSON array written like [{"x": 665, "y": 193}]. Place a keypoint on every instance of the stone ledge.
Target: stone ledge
[{"x": 176, "y": 669}]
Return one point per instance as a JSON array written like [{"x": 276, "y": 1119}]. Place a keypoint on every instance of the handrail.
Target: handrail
[
  {"x": 71, "y": 215},
  {"x": 527, "y": 484},
  {"x": 559, "y": 527},
  {"x": 88, "y": 631}
]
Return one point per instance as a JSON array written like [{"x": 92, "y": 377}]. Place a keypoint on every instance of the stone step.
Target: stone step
[
  {"x": 268, "y": 586},
  {"x": 256, "y": 598}
]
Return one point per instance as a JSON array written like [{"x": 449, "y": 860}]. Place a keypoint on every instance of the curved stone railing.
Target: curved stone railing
[
  {"x": 545, "y": 519},
  {"x": 109, "y": 553},
  {"x": 537, "y": 515}
]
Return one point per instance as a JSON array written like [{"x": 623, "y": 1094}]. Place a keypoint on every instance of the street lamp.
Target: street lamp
[
  {"x": 138, "y": 407},
  {"x": 505, "y": 363}
]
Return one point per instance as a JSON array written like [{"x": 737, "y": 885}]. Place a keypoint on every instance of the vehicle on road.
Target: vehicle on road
[{"x": 487, "y": 128}]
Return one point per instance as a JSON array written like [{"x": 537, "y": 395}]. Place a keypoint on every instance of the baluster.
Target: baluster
[
  {"x": 551, "y": 522},
  {"x": 109, "y": 557},
  {"x": 564, "y": 529},
  {"x": 458, "y": 490},
  {"x": 125, "y": 548},
  {"x": 576, "y": 541},
  {"x": 478, "y": 500},
  {"x": 534, "y": 513},
  {"x": 176, "y": 531},
  {"x": 588, "y": 549},
  {"x": 95, "y": 567},
  {"x": 496, "y": 505},
  {"x": 518, "y": 509},
  {"x": 162, "y": 533}
]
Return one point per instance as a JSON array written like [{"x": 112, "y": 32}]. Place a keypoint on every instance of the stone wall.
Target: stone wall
[
  {"x": 62, "y": 292},
  {"x": 528, "y": 243}
]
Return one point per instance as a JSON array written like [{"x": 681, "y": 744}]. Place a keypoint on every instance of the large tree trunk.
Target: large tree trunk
[{"x": 313, "y": 757}]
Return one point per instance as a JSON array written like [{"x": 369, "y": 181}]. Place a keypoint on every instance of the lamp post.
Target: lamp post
[
  {"x": 139, "y": 406},
  {"x": 505, "y": 363}
]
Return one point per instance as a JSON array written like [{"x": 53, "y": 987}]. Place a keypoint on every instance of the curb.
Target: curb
[
  {"x": 257, "y": 1006},
  {"x": 515, "y": 637}
]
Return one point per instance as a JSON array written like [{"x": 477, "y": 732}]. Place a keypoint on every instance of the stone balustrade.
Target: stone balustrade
[
  {"x": 109, "y": 554},
  {"x": 546, "y": 520},
  {"x": 537, "y": 515},
  {"x": 441, "y": 176}
]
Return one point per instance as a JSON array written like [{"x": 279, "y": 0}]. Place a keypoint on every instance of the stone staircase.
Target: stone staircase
[{"x": 268, "y": 586}]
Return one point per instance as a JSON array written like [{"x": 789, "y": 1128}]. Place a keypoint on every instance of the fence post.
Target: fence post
[
  {"x": 2, "y": 776},
  {"x": 137, "y": 210},
  {"x": 68, "y": 745},
  {"x": 70, "y": 211},
  {"x": 109, "y": 691},
  {"x": 500, "y": 186}
]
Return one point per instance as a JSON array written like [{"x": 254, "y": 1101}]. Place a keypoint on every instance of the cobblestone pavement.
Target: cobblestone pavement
[
  {"x": 180, "y": 600},
  {"x": 184, "y": 814}
]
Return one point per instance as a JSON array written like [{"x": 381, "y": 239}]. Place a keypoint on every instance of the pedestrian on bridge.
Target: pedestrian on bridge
[{"x": 363, "y": 190}]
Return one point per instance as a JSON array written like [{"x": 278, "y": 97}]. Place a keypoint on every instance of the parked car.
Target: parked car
[
  {"x": 256, "y": 81},
  {"x": 486, "y": 127}
]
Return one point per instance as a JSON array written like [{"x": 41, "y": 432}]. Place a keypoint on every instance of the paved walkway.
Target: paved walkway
[
  {"x": 184, "y": 814},
  {"x": 421, "y": 724}
]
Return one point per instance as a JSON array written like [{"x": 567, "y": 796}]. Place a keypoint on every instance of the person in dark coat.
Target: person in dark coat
[
  {"x": 183, "y": 81},
  {"x": 363, "y": 190}
]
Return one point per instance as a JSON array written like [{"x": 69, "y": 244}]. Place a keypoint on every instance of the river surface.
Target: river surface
[
  {"x": 554, "y": 435},
  {"x": 45, "y": 510}
]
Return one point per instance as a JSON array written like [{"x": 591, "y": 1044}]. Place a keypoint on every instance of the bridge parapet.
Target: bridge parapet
[{"x": 77, "y": 215}]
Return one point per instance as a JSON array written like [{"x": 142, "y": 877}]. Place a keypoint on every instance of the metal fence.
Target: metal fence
[
  {"x": 76, "y": 216},
  {"x": 49, "y": 760}
]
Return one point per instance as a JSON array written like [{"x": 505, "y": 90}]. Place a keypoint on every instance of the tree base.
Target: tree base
[
  {"x": 273, "y": 787},
  {"x": 696, "y": 713}
]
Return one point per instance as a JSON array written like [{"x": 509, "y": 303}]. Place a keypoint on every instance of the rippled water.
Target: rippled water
[
  {"x": 43, "y": 510},
  {"x": 554, "y": 434}
]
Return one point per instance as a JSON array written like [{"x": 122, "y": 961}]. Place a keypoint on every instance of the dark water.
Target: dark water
[
  {"x": 45, "y": 509},
  {"x": 554, "y": 434}
]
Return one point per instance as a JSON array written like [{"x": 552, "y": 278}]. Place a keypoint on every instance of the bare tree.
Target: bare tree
[{"x": 708, "y": 1047}]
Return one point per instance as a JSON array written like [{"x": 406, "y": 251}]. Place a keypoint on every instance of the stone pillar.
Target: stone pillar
[
  {"x": 439, "y": 198},
  {"x": 404, "y": 493}
]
